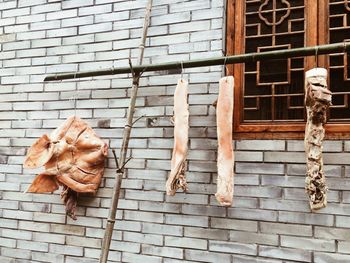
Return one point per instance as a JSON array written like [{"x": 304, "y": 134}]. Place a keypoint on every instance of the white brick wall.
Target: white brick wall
[{"x": 270, "y": 221}]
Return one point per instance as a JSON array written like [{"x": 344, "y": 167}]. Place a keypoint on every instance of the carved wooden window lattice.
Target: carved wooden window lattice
[
  {"x": 269, "y": 95},
  {"x": 273, "y": 89},
  {"x": 339, "y": 31}
]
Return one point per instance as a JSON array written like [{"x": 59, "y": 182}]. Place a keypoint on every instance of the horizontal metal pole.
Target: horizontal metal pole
[{"x": 243, "y": 58}]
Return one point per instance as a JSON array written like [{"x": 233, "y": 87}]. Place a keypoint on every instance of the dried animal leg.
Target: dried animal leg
[
  {"x": 317, "y": 100},
  {"x": 224, "y": 115},
  {"x": 177, "y": 177}
]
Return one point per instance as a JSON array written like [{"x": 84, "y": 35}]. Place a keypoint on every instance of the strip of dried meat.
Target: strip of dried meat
[
  {"x": 177, "y": 177},
  {"x": 317, "y": 100},
  {"x": 225, "y": 162}
]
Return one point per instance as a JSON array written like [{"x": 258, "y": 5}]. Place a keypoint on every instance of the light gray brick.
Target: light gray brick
[
  {"x": 66, "y": 250},
  {"x": 232, "y": 247},
  {"x": 260, "y": 168},
  {"x": 33, "y": 226},
  {"x": 6, "y": 242},
  {"x": 338, "y": 184},
  {"x": 16, "y": 12},
  {"x": 301, "y": 206},
  {"x": 30, "y": 19},
  {"x": 245, "y": 156},
  {"x": 159, "y": 207},
  {"x": 343, "y": 247},
  {"x": 44, "y": 25},
  {"x": 249, "y": 238},
  {"x": 253, "y": 214},
  {"x": 162, "y": 229},
  {"x": 114, "y": 16},
  {"x": 129, "y": 257},
  {"x": 308, "y": 243},
  {"x": 94, "y": 10},
  {"x": 184, "y": 242},
  {"x": 102, "y": 27},
  {"x": 49, "y": 237},
  {"x": 162, "y": 251},
  {"x": 215, "y": 234},
  {"x": 172, "y": 39},
  {"x": 306, "y": 218},
  {"x": 31, "y": 245},
  {"x": 284, "y": 157},
  {"x": 171, "y": 18},
  {"x": 125, "y": 246},
  {"x": 8, "y": 5},
  {"x": 143, "y": 238},
  {"x": 206, "y": 256},
  {"x": 332, "y": 233},
  {"x": 14, "y": 214},
  {"x": 285, "y": 253},
  {"x": 16, "y": 253},
  {"x": 201, "y": 210},
  {"x": 265, "y": 145},
  {"x": 144, "y": 216},
  {"x": 67, "y": 229},
  {"x": 88, "y": 242},
  {"x": 235, "y": 224},
  {"x": 258, "y": 191},
  {"x": 48, "y": 257},
  {"x": 16, "y": 234},
  {"x": 287, "y": 229},
  {"x": 207, "y": 13},
  {"x": 75, "y": 3},
  {"x": 187, "y": 220},
  {"x": 336, "y": 158},
  {"x": 330, "y": 257}
]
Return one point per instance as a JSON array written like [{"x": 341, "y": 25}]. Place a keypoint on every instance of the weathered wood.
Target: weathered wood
[
  {"x": 177, "y": 177},
  {"x": 317, "y": 100},
  {"x": 125, "y": 144},
  {"x": 224, "y": 112}
]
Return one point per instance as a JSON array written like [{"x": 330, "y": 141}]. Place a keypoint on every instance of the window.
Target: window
[{"x": 269, "y": 95}]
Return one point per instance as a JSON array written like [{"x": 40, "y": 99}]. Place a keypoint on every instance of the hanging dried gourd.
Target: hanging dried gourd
[
  {"x": 225, "y": 162},
  {"x": 73, "y": 156},
  {"x": 177, "y": 177},
  {"x": 317, "y": 100}
]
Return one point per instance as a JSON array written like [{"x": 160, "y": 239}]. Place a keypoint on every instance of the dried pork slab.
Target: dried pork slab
[
  {"x": 73, "y": 156},
  {"x": 177, "y": 177},
  {"x": 225, "y": 162},
  {"x": 317, "y": 100}
]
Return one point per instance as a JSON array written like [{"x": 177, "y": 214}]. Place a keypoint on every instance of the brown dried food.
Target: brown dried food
[
  {"x": 317, "y": 100},
  {"x": 177, "y": 177},
  {"x": 224, "y": 117},
  {"x": 73, "y": 156}
]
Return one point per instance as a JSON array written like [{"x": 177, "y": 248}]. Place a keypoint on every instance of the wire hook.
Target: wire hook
[
  {"x": 225, "y": 66},
  {"x": 182, "y": 69},
  {"x": 316, "y": 56}
]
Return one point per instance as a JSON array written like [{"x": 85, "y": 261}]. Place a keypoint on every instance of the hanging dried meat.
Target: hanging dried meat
[
  {"x": 317, "y": 100},
  {"x": 177, "y": 177},
  {"x": 73, "y": 156},
  {"x": 225, "y": 162}
]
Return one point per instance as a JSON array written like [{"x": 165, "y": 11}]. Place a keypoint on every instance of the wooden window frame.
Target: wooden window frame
[{"x": 235, "y": 45}]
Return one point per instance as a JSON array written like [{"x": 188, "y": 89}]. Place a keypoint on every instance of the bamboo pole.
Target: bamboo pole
[
  {"x": 126, "y": 137},
  {"x": 249, "y": 57}
]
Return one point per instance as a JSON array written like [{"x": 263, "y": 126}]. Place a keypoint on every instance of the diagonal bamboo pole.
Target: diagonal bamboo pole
[
  {"x": 126, "y": 137},
  {"x": 214, "y": 61}
]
